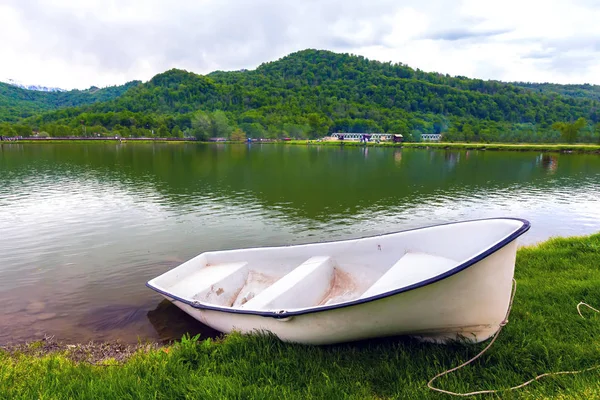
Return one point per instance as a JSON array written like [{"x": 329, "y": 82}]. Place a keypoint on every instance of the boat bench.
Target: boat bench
[
  {"x": 408, "y": 270},
  {"x": 215, "y": 284},
  {"x": 304, "y": 286}
]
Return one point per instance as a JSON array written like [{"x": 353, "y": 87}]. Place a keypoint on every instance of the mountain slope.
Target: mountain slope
[
  {"x": 584, "y": 91},
  {"x": 39, "y": 88},
  {"x": 17, "y": 103},
  {"x": 312, "y": 92}
]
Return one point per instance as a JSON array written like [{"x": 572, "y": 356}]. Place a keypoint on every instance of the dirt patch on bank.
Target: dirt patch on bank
[{"x": 102, "y": 354}]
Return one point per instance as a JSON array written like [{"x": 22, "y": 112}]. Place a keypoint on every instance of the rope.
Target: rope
[
  {"x": 581, "y": 303},
  {"x": 502, "y": 324}
]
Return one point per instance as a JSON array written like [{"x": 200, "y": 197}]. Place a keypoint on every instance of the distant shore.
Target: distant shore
[
  {"x": 543, "y": 147},
  {"x": 98, "y": 140}
]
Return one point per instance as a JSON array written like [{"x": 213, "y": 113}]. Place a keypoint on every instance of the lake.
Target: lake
[{"x": 84, "y": 226}]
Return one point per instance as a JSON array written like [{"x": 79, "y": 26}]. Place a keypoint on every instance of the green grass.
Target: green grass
[
  {"x": 545, "y": 333},
  {"x": 576, "y": 148}
]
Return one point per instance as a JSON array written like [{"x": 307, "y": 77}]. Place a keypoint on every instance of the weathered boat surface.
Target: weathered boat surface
[{"x": 439, "y": 283}]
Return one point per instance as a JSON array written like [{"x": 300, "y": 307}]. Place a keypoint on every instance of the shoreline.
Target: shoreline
[
  {"x": 94, "y": 353},
  {"x": 50, "y": 344},
  {"x": 547, "y": 147},
  {"x": 99, "y": 140},
  {"x": 544, "y": 334},
  {"x": 543, "y": 147}
]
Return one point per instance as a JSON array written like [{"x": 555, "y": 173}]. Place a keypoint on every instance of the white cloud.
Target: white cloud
[{"x": 70, "y": 43}]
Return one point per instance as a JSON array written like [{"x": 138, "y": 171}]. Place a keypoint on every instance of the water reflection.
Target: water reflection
[
  {"x": 452, "y": 158},
  {"x": 83, "y": 227},
  {"x": 398, "y": 157},
  {"x": 548, "y": 162}
]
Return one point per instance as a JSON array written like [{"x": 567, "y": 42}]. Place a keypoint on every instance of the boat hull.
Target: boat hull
[{"x": 468, "y": 305}]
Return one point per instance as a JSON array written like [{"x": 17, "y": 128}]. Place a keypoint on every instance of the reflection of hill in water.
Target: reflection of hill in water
[
  {"x": 86, "y": 225},
  {"x": 307, "y": 182}
]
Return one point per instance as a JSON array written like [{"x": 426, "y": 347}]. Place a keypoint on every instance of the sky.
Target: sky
[{"x": 80, "y": 43}]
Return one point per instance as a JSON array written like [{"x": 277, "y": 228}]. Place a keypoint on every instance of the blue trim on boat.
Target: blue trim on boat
[{"x": 285, "y": 314}]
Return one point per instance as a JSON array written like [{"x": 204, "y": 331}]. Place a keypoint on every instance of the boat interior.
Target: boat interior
[{"x": 304, "y": 276}]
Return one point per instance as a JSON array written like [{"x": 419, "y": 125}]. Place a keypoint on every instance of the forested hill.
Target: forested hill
[
  {"x": 584, "y": 91},
  {"x": 311, "y": 93},
  {"x": 17, "y": 103}
]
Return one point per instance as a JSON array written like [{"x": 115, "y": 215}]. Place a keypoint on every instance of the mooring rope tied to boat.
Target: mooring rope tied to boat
[
  {"x": 502, "y": 324},
  {"x": 581, "y": 303}
]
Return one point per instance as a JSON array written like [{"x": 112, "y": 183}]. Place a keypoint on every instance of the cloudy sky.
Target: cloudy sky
[{"x": 76, "y": 44}]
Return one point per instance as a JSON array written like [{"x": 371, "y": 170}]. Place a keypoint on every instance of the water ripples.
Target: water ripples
[{"x": 76, "y": 235}]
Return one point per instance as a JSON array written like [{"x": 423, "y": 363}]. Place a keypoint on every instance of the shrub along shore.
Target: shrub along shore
[
  {"x": 545, "y": 334},
  {"x": 549, "y": 147}
]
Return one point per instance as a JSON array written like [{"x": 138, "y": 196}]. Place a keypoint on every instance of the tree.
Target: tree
[
  {"x": 569, "y": 131},
  {"x": 201, "y": 125},
  {"x": 415, "y": 136},
  {"x": 7, "y": 130},
  {"x": 452, "y": 135},
  {"x": 94, "y": 130},
  {"x": 22, "y": 130},
  {"x": 319, "y": 125},
  {"x": 163, "y": 131},
  {"x": 486, "y": 135},
  {"x": 177, "y": 132},
  {"x": 125, "y": 132},
  {"x": 398, "y": 127},
  {"x": 254, "y": 130},
  {"x": 468, "y": 133},
  {"x": 296, "y": 131},
  {"x": 220, "y": 124},
  {"x": 273, "y": 132},
  {"x": 238, "y": 135},
  {"x": 117, "y": 130}
]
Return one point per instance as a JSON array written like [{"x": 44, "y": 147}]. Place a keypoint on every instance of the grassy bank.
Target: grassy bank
[
  {"x": 560, "y": 148},
  {"x": 545, "y": 333}
]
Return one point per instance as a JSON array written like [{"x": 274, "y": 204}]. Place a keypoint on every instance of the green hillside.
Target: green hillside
[
  {"x": 585, "y": 91},
  {"x": 17, "y": 103},
  {"x": 311, "y": 93}
]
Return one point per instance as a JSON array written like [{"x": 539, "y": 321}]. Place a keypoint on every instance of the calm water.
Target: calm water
[{"x": 83, "y": 227}]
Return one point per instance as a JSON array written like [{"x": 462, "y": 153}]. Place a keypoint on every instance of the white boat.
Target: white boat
[{"x": 438, "y": 283}]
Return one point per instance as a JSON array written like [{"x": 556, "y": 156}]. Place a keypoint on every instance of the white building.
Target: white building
[
  {"x": 431, "y": 137},
  {"x": 358, "y": 136}
]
